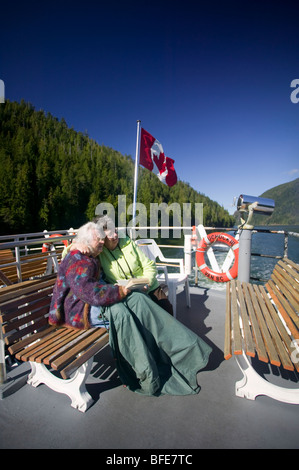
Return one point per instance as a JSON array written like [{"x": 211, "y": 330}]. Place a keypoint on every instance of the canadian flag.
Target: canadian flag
[{"x": 152, "y": 157}]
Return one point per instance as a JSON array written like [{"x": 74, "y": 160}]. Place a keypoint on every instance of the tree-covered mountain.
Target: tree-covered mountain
[
  {"x": 286, "y": 212},
  {"x": 53, "y": 177}
]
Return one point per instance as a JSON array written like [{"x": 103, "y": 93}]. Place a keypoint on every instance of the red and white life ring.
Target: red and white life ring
[
  {"x": 205, "y": 243},
  {"x": 46, "y": 246}
]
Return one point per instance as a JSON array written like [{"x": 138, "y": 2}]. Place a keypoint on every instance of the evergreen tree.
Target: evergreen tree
[{"x": 52, "y": 177}]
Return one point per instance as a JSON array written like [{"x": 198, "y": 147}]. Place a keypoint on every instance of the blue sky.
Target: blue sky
[{"x": 210, "y": 80}]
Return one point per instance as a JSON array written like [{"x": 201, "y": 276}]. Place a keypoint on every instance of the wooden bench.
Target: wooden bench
[
  {"x": 32, "y": 265},
  {"x": 263, "y": 322},
  {"x": 60, "y": 357}
]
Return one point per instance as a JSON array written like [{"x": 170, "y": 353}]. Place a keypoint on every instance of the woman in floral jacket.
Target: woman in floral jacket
[{"x": 79, "y": 284}]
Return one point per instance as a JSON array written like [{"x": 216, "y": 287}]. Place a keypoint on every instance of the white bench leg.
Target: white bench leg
[
  {"x": 252, "y": 385},
  {"x": 74, "y": 387}
]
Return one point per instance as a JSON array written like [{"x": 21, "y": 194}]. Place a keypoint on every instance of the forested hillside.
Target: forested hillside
[
  {"x": 286, "y": 212},
  {"x": 52, "y": 177}
]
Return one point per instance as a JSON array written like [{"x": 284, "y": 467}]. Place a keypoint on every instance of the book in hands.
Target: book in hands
[{"x": 135, "y": 284}]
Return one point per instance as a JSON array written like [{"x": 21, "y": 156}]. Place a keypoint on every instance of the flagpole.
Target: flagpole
[{"x": 137, "y": 156}]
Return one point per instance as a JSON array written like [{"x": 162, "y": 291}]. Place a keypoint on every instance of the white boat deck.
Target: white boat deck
[{"x": 119, "y": 419}]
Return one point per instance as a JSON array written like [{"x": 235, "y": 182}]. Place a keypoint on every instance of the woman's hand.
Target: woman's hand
[
  {"x": 124, "y": 291},
  {"x": 81, "y": 247}
]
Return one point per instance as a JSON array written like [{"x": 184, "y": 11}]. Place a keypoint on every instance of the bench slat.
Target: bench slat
[
  {"x": 276, "y": 339},
  {"x": 286, "y": 349},
  {"x": 10, "y": 293},
  {"x": 293, "y": 265},
  {"x": 264, "y": 327},
  {"x": 14, "y": 348},
  {"x": 22, "y": 306},
  {"x": 53, "y": 346},
  {"x": 290, "y": 282},
  {"x": 31, "y": 328},
  {"x": 59, "y": 358},
  {"x": 236, "y": 324},
  {"x": 48, "y": 350},
  {"x": 259, "y": 343},
  {"x": 284, "y": 308},
  {"x": 40, "y": 309},
  {"x": 265, "y": 337},
  {"x": 16, "y": 287},
  {"x": 58, "y": 349},
  {"x": 6, "y": 255},
  {"x": 249, "y": 344},
  {"x": 68, "y": 371},
  {"x": 29, "y": 344},
  {"x": 10, "y": 315},
  {"x": 268, "y": 316},
  {"x": 36, "y": 349},
  {"x": 292, "y": 272},
  {"x": 87, "y": 338},
  {"x": 285, "y": 288}
]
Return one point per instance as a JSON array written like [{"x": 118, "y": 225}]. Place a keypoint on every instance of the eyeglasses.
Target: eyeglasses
[{"x": 111, "y": 233}]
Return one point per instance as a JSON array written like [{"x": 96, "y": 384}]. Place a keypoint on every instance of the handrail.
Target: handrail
[
  {"x": 31, "y": 240},
  {"x": 34, "y": 241},
  {"x": 17, "y": 246},
  {"x": 37, "y": 234}
]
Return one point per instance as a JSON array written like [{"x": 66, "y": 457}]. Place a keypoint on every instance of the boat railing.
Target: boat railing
[
  {"x": 17, "y": 251},
  {"x": 256, "y": 230},
  {"x": 285, "y": 254},
  {"x": 22, "y": 247}
]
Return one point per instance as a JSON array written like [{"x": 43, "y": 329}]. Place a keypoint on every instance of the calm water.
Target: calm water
[
  {"x": 272, "y": 244},
  {"x": 262, "y": 243}
]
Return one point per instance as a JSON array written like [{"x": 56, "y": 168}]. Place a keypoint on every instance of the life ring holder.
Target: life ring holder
[
  {"x": 205, "y": 243},
  {"x": 46, "y": 246}
]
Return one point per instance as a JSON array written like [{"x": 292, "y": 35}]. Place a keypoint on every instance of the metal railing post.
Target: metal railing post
[{"x": 244, "y": 255}]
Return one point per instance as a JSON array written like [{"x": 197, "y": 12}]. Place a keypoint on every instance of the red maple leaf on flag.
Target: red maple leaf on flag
[
  {"x": 152, "y": 155},
  {"x": 160, "y": 161}
]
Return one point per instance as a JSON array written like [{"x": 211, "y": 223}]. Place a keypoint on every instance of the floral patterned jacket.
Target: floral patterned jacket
[{"x": 78, "y": 286}]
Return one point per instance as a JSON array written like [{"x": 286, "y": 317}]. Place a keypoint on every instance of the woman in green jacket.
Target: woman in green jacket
[{"x": 122, "y": 259}]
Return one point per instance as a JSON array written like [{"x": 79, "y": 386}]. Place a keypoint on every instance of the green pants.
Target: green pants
[{"x": 155, "y": 354}]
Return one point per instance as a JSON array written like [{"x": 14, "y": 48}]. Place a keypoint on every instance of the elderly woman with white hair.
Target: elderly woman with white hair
[
  {"x": 155, "y": 354},
  {"x": 78, "y": 284}
]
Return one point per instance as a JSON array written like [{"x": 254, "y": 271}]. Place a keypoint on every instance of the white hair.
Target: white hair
[
  {"x": 87, "y": 233},
  {"x": 105, "y": 223}
]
